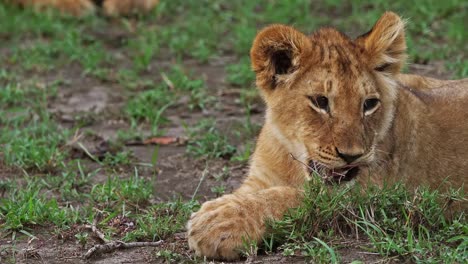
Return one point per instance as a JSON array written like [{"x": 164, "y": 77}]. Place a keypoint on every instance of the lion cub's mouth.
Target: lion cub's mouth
[{"x": 335, "y": 175}]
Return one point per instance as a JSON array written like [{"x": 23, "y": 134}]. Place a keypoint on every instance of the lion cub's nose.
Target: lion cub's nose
[{"x": 349, "y": 156}]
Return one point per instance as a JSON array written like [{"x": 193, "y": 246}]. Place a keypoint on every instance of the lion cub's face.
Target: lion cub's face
[{"x": 330, "y": 99}]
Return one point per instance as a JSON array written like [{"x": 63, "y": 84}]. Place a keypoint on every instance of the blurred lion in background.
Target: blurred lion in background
[{"x": 86, "y": 7}]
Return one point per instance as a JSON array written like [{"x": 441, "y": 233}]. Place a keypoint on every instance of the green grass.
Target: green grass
[
  {"x": 162, "y": 220},
  {"x": 241, "y": 74},
  {"x": 391, "y": 222},
  {"x": 430, "y": 23},
  {"x": 72, "y": 48},
  {"x": 34, "y": 147},
  {"x": 27, "y": 206},
  {"x": 205, "y": 140},
  {"x": 149, "y": 105},
  {"x": 145, "y": 47},
  {"x": 115, "y": 190},
  {"x": 72, "y": 184},
  {"x": 154, "y": 66},
  {"x": 30, "y": 139}
]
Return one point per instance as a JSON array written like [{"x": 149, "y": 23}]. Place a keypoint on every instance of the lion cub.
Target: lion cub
[{"x": 342, "y": 107}]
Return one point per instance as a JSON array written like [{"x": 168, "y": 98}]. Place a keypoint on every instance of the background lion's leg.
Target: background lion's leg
[
  {"x": 223, "y": 226},
  {"x": 83, "y": 7},
  {"x": 419, "y": 82},
  {"x": 125, "y": 7},
  {"x": 72, "y": 7}
]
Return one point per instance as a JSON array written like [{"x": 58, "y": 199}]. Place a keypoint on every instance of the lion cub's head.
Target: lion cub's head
[{"x": 330, "y": 99}]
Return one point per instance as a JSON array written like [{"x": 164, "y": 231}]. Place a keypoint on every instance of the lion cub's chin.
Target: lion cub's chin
[{"x": 334, "y": 175}]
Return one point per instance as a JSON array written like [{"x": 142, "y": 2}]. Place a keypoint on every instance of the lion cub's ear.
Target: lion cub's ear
[
  {"x": 277, "y": 53},
  {"x": 385, "y": 43}
]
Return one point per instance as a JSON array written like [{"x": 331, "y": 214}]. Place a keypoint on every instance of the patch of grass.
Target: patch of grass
[
  {"x": 73, "y": 46},
  {"x": 205, "y": 140},
  {"x": 144, "y": 48},
  {"x": 6, "y": 185},
  {"x": 249, "y": 248},
  {"x": 118, "y": 159},
  {"x": 244, "y": 152},
  {"x": 182, "y": 32},
  {"x": 34, "y": 146},
  {"x": 161, "y": 220},
  {"x": 246, "y": 133},
  {"x": 115, "y": 191},
  {"x": 240, "y": 74},
  {"x": 149, "y": 105},
  {"x": 396, "y": 223},
  {"x": 188, "y": 35},
  {"x": 431, "y": 24},
  {"x": 28, "y": 136},
  {"x": 26, "y": 22},
  {"x": 169, "y": 256},
  {"x": 459, "y": 66},
  {"x": 11, "y": 94},
  {"x": 132, "y": 80},
  {"x": 29, "y": 206},
  {"x": 82, "y": 238},
  {"x": 72, "y": 184},
  {"x": 218, "y": 190},
  {"x": 42, "y": 41},
  {"x": 184, "y": 83}
]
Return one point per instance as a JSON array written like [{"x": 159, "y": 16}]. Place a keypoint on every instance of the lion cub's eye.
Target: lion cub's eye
[
  {"x": 370, "y": 105},
  {"x": 320, "y": 102}
]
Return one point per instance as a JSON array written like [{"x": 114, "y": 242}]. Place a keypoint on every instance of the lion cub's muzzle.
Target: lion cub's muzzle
[{"x": 335, "y": 175}]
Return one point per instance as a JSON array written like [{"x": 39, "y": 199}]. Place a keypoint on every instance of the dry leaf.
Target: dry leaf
[{"x": 161, "y": 140}]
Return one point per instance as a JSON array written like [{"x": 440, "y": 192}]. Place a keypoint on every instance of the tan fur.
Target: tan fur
[
  {"x": 123, "y": 7},
  {"x": 84, "y": 7},
  {"x": 72, "y": 7},
  {"x": 418, "y": 133}
]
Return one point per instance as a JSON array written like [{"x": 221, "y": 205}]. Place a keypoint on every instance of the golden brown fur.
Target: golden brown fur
[
  {"x": 340, "y": 104},
  {"x": 84, "y": 7},
  {"x": 123, "y": 7}
]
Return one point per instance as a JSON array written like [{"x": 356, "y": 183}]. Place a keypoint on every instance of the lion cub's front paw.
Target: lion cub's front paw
[{"x": 219, "y": 229}]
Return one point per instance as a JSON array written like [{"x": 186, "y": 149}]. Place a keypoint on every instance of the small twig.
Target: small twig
[
  {"x": 296, "y": 159},
  {"x": 85, "y": 150},
  {"x": 97, "y": 232},
  {"x": 76, "y": 137},
  {"x": 368, "y": 253},
  {"x": 314, "y": 169},
  {"x": 114, "y": 245},
  {"x": 204, "y": 173},
  {"x": 168, "y": 82}
]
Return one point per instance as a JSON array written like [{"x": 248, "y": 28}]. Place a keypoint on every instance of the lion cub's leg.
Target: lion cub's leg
[{"x": 220, "y": 227}]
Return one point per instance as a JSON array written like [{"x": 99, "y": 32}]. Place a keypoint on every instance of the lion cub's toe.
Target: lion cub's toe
[{"x": 220, "y": 228}]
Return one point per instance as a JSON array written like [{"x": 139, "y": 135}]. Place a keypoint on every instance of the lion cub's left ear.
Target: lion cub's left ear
[
  {"x": 277, "y": 53},
  {"x": 385, "y": 43}
]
